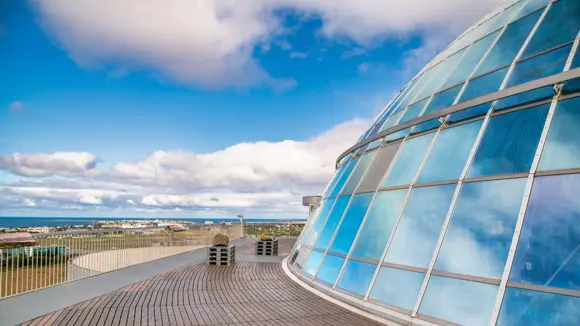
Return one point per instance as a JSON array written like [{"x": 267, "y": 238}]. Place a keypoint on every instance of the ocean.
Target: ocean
[{"x": 14, "y": 222}]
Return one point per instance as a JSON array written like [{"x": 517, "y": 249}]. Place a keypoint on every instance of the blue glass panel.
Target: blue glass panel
[
  {"x": 539, "y": 94},
  {"x": 408, "y": 161},
  {"x": 540, "y": 66},
  {"x": 334, "y": 180},
  {"x": 332, "y": 222},
  {"x": 374, "y": 144},
  {"x": 470, "y": 60},
  {"x": 548, "y": 249},
  {"x": 351, "y": 223},
  {"x": 478, "y": 110},
  {"x": 506, "y": 16},
  {"x": 509, "y": 143},
  {"x": 379, "y": 224},
  {"x": 413, "y": 111},
  {"x": 357, "y": 277},
  {"x": 391, "y": 121},
  {"x": 444, "y": 68},
  {"x": 404, "y": 100},
  {"x": 531, "y": 6},
  {"x": 397, "y": 287},
  {"x": 311, "y": 237},
  {"x": 302, "y": 257},
  {"x": 377, "y": 170},
  {"x": 343, "y": 178},
  {"x": 420, "y": 226},
  {"x": 443, "y": 100},
  {"x": 446, "y": 162},
  {"x": 573, "y": 86},
  {"x": 458, "y": 301},
  {"x": 481, "y": 230},
  {"x": 509, "y": 44},
  {"x": 397, "y": 135},
  {"x": 427, "y": 125},
  {"x": 562, "y": 149},
  {"x": 484, "y": 85},
  {"x": 560, "y": 25},
  {"x": 330, "y": 269},
  {"x": 364, "y": 162},
  {"x": 313, "y": 263},
  {"x": 532, "y": 308}
]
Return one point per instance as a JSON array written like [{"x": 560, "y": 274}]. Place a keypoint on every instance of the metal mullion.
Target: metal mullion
[
  {"x": 496, "y": 177},
  {"x": 435, "y": 183},
  {"x": 544, "y": 289},
  {"x": 466, "y": 277},
  {"x": 404, "y": 267},
  {"x": 559, "y": 171},
  {"x": 423, "y": 133},
  {"x": 364, "y": 260},
  {"x": 572, "y": 53},
  {"x": 554, "y": 48},
  {"x": 522, "y": 107}
]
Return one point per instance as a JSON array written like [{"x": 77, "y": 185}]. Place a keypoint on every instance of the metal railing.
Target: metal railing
[
  {"x": 273, "y": 229},
  {"x": 62, "y": 257}
]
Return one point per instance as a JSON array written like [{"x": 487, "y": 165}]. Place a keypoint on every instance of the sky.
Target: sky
[{"x": 198, "y": 108}]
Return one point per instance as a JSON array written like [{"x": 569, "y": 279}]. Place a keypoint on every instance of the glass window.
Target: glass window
[
  {"x": 479, "y": 236},
  {"x": 533, "y": 308},
  {"x": 343, "y": 178},
  {"x": 472, "y": 112},
  {"x": 379, "y": 224},
  {"x": 459, "y": 301},
  {"x": 548, "y": 249},
  {"x": 560, "y": 25},
  {"x": 470, "y": 60},
  {"x": 443, "y": 100},
  {"x": 391, "y": 121},
  {"x": 332, "y": 222},
  {"x": 484, "y": 27},
  {"x": 397, "y": 287},
  {"x": 449, "y": 154},
  {"x": 506, "y": 16},
  {"x": 562, "y": 149},
  {"x": 484, "y": 85},
  {"x": 302, "y": 257},
  {"x": 364, "y": 162},
  {"x": 351, "y": 223},
  {"x": 357, "y": 277},
  {"x": 413, "y": 111},
  {"x": 418, "y": 231},
  {"x": 313, "y": 262},
  {"x": 509, "y": 44},
  {"x": 374, "y": 144},
  {"x": 528, "y": 97},
  {"x": 444, "y": 69},
  {"x": 397, "y": 135},
  {"x": 334, "y": 180},
  {"x": 408, "y": 161},
  {"x": 311, "y": 237},
  {"x": 427, "y": 125},
  {"x": 531, "y": 6},
  {"x": 378, "y": 168},
  {"x": 540, "y": 66},
  {"x": 404, "y": 100},
  {"x": 573, "y": 86},
  {"x": 509, "y": 143},
  {"x": 330, "y": 269}
]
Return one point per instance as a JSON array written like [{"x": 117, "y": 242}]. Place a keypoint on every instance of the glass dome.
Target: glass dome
[{"x": 461, "y": 203}]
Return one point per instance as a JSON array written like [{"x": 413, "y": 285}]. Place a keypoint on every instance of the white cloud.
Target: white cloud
[
  {"x": 29, "y": 203},
  {"x": 211, "y": 43},
  {"x": 58, "y": 163}
]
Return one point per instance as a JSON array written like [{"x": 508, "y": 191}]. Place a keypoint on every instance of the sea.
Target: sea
[{"x": 15, "y": 222}]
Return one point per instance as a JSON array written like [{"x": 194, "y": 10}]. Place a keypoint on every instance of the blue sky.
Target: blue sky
[{"x": 116, "y": 111}]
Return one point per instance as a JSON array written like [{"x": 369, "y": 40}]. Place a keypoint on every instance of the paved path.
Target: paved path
[{"x": 247, "y": 293}]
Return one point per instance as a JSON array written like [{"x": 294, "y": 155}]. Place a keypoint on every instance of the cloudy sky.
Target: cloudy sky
[{"x": 198, "y": 108}]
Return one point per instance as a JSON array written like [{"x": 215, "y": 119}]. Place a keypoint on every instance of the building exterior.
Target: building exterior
[{"x": 461, "y": 203}]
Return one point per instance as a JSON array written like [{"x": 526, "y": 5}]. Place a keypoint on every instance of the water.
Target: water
[{"x": 14, "y": 222}]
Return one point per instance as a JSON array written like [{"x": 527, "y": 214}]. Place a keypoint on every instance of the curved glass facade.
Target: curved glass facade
[{"x": 471, "y": 218}]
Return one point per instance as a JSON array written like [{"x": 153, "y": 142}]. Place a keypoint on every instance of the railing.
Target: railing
[
  {"x": 273, "y": 229},
  {"x": 67, "y": 256}
]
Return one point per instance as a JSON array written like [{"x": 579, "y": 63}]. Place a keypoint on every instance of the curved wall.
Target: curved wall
[{"x": 473, "y": 218}]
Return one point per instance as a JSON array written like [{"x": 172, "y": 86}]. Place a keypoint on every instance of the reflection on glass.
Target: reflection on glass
[
  {"x": 459, "y": 301},
  {"x": 311, "y": 237},
  {"x": 413, "y": 111},
  {"x": 302, "y": 256},
  {"x": 330, "y": 269},
  {"x": 531, "y": 6},
  {"x": 357, "y": 174},
  {"x": 408, "y": 161},
  {"x": 374, "y": 144},
  {"x": 397, "y": 135},
  {"x": 481, "y": 229},
  {"x": 427, "y": 125},
  {"x": 562, "y": 149},
  {"x": 532, "y": 308},
  {"x": 343, "y": 178},
  {"x": 506, "y": 16},
  {"x": 509, "y": 143},
  {"x": 397, "y": 287},
  {"x": 443, "y": 71},
  {"x": 484, "y": 85},
  {"x": 535, "y": 95},
  {"x": 391, "y": 121},
  {"x": 449, "y": 154},
  {"x": 478, "y": 110},
  {"x": 377, "y": 170},
  {"x": 540, "y": 66},
  {"x": 313, "y": 262},
  {"x": 357, "y": 277},
  {"x": 332, "y": 222},
  {"x": 379, "y": 224},
  {"x": 560, "y": 25},
  {"x": 443, "y": 100},
  {"x": 418, "y": 231},
  {"x": 351, "y": 223},
  {"x": 335, "y": 179},
  {"x": 548, "y": 252}
]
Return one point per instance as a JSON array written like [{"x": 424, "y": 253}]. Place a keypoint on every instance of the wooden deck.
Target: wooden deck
[{"x": 247, "y": 293}]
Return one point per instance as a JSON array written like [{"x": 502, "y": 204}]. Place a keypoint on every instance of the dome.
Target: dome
[{"x": 461, "y": 203}]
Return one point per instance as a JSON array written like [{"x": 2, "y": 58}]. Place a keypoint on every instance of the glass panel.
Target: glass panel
[
  {"x": 562, "y": 149},
  {"x": 509, "y": 44},
  {"x": 413, "y": 92},
  {"x": 374, "y": 144},
  {"x": 420, "y": 226},
  {"x": 449, "y": 154},
  {"x": 313, "y": 262},
  {"x": 359, "y": 171},
  {"x": 532, "y": 308},
  {"x": 484, "y": 85},
  {"x": 379, "y": 224},
  {"x": 413, "y": 111},
  {"x": 313, "y": 235},
  {"x": 459, "y": 301},
  {"x": 332, "y": 222},
  {"x": 404, "y": 100},
  {"x": 334, "y": 180},
  {"x": 443, "y": 100},
  {"x": 330, "y": 269},
  {"x": 302, "y": 256},
  {"x": 540, "y": 66},
  {"x": 509, "y": 143},
  {"x": 484, "y": 27},
  {"x": 481, "y": 230},
  {"x": 357, "y": 277},
  {"x": 506, "y": 16},
  {"x": 445, "y": 68},
  {"x": 397, "y": 287},
  {"x": 571, "y": 86},
  {"x": 378, "y": 168},
  {"x": 343, "y": 178},
  {"x": 397, "y": 135},
  {"x": 470, "y": 60},
  {"x": 472, "y": 112},
  {"x": 408, "y": 161},
  {"x": 531, "y": 6},
  {"x": 560, "y": 25},
  {"x": 548, "y": 252},
  {"x": 351, "y": 223},
  {"x": 536, "y": 95},
  {"x": 391, "y": 121},
  {"x": 428, "y": 125}
]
